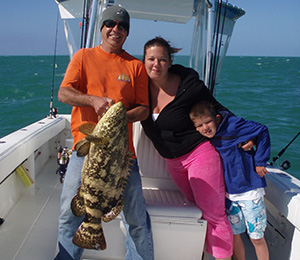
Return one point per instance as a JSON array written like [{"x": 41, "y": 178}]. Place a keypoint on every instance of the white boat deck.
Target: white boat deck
[
  {"x": 31, "y": 214},
  {"x": 30, "y": 229}
]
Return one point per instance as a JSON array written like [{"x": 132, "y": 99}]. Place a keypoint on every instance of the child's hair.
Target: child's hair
[
  {"x": 159, "y": 41},
  {"x": 201, "y": 108}
]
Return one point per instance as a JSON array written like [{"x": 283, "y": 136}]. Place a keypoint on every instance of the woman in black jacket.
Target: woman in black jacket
[{"x": 193, "y": 163}]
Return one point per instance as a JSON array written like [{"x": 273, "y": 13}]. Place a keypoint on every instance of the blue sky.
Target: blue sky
[{"x": 269, "y": 28}]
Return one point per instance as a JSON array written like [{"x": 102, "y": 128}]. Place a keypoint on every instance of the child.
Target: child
[{"x": 244, "y": 172}]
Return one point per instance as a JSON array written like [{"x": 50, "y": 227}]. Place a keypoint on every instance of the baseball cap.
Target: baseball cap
[{"x": 115, "y": 12}]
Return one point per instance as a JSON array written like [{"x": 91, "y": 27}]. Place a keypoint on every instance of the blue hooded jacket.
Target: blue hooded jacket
[{"x": 239, "y": 165}]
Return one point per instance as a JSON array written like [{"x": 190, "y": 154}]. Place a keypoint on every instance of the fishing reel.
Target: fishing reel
[
  {"x": 285, "y": 165},
  {"x": 63, "y": 158},
  {"x": 53, "y": 112}
]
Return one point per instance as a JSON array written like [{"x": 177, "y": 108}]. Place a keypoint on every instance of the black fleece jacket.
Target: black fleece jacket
[{"x": 173, "y": 133}]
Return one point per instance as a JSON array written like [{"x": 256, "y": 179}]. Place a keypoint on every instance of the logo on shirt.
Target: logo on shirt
[{"x": 123, "y": 77}]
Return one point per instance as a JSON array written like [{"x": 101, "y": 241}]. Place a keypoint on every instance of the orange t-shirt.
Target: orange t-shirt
[{"x": 120, "y": 77}]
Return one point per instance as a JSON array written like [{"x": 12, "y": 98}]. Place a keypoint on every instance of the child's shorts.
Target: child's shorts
[{"x": 247, "y": 214}]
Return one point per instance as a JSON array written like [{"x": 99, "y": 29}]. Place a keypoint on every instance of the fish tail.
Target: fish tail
[
  {"x": 77, "y": 205},
  {"x": 90, "y": 235}
]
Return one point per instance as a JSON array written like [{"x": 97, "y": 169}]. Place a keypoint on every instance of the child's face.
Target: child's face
[{"x": 207, "y": 124}]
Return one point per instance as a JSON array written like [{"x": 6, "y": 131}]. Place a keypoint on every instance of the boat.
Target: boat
[{"x": 30, "y": 194}]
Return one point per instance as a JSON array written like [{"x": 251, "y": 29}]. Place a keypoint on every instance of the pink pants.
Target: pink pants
[{"x": 199, "y": 176}]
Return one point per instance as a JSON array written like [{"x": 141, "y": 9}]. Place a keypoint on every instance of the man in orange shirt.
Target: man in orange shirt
[{"x": 96, "y": 78}]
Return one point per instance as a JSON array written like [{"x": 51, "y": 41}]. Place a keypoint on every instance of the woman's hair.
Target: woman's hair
[
  {"x": 201, "y": 108},
  {"x": 159, "y": 41}
]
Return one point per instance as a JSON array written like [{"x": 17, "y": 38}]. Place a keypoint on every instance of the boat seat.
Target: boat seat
[
  {"x": 170, "y": 204},
  {"x": 162, "y": 196},
  {"x": 174, "y": 219}
]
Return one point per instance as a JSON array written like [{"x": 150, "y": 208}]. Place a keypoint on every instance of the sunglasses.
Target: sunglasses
[{"x": 121, "y": 26}]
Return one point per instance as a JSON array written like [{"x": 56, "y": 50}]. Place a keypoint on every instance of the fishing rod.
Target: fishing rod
[
  {"x": 53, "y": 110},
  {"x": 85, "y": 22},
  {"x": 283, "y": 150}
]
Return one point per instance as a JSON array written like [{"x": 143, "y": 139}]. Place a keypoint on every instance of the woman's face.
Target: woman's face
[{"x": 157, "y": 62}]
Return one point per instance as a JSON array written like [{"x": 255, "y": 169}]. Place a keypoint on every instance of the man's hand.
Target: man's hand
[{"x": 101, "y": 104}]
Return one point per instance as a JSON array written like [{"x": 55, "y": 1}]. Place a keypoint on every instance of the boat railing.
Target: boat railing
[{"x": 30, "y": 147}]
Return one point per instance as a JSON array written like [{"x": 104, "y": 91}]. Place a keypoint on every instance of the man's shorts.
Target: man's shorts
[{"x": 247, "y": 214}]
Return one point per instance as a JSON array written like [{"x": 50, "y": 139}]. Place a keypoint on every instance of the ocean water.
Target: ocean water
[{"x": 264, "y": 89}]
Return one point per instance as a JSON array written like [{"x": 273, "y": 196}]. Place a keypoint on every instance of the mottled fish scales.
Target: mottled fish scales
[{"x": 104, "y": 176}]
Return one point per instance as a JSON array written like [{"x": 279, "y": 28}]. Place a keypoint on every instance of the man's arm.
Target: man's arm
[
  {"x": 138, "y": 113},
  {"x": 74, "y": 97}
]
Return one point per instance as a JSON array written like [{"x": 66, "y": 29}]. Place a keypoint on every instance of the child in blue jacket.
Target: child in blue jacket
[{"x": 244, "y": 172}]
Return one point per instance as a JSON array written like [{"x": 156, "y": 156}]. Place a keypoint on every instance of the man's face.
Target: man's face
[{"x": 113, "y": 34}]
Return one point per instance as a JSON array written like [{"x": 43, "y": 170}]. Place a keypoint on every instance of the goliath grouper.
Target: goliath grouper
[{"x": 104, "y": 175}]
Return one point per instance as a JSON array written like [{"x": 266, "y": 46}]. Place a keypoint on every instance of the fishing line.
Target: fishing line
[
  {"x": 283, "y": 150},
  {"x": 53, "y": 110}
]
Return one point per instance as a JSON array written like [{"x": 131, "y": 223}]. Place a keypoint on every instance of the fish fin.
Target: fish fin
[
  {"x": 97, "y": 140},
  {"x": 82, "y": 147},
  {"x": 77, "y": 205},
  {"x": 128, "y": 161},
  {"x": 115, "y": 211},
  {"x": 90, "y": 235},
  {"x": 87, "y": 128}
]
